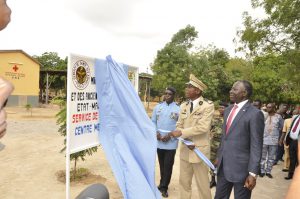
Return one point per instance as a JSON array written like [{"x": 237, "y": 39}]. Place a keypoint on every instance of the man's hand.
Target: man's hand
[
  {"x": 215, "y": 162},
  {"x": 3, "y": 123},
  {"x": 250, "y": 182},
  {"x": 6, "y": 88},
  {"x": 166, "y": 138},
  {"x": 175, "y": 133},
  {"x": 158, "y": 136},
  {"x": 281, "y": 139},
  {"x": 280, "y": 142},
  {"x": 191, "y": 147}
]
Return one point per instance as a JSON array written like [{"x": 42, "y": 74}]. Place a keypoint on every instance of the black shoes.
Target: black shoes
[
  {"x": 159, "y": 188},
  {"x": 212, "y": 182},
  {"x": 262, "y": 175},
  {"x": 164, "y": 193},
  {"x": 288, "y": 177},
  {"x": 269, "y": 175}
]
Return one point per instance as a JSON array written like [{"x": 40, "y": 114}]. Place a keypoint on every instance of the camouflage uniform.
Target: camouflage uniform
[{"x": 216, "y": 136}]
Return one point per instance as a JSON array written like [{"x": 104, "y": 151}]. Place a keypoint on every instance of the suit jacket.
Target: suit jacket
[
  {"x": 288, "y": 139},
  {"x": 241, "y": 148},
  {"x": 196, "y": 127}
]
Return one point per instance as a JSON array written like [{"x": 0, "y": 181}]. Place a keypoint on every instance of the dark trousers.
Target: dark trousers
[
  {"x": 224, "y": 188},
  {"x": 280, "y": 150},
  {"x": 166, "y": 161},
  {"x": 293, "y": 156}
]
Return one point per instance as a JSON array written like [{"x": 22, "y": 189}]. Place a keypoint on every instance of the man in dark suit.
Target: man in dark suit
[{"x": 241, "y": 147}]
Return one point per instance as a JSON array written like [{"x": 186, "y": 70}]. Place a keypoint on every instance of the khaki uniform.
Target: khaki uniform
[{"x": 196, "y": 127}]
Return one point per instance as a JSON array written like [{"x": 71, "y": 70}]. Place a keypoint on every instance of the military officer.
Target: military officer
[
  {"x": 194, "y": 124},
  {"x": 216, "y": 135},
  {"x": 165, "y": 116}
]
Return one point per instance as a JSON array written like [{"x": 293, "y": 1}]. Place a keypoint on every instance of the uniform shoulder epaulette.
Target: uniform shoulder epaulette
[
  {"x": 208, "y": 101},
  {"x": 185, "y": 103}
]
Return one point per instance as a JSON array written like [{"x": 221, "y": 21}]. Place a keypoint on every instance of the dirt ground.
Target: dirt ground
[{"x": 30, "y": 159}]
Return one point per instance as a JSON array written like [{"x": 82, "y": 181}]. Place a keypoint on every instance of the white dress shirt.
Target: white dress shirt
[{"x": 240, "y": 105}]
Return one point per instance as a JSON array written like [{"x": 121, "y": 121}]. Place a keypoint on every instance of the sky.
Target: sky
[{"x": 132, "y": 31}]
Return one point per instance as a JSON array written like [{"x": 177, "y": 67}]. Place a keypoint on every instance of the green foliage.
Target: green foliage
[
  {"x": 29, "y": 108},
  {"x": 79, "y": 174},
  {"x": 274, "y": 44},
  {"x": 62, "y": 122},
  {"x": 278, "y": 32},
  {"x": 238, "y": 69},
  {"x": 185, "y": 37},
  {"x": 50, "y": 61},
  {"x": 270, "y": 81},
  {"x": 174, "y": 63},
  {"x": 61, "y": 101}
]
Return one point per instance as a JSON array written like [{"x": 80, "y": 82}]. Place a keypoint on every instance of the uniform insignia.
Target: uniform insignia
[
  {"x": 174, "y": 116},
  {"x": 159, "y": 110},
  {"x": 200, "y": 103},
  {"x": 208, "y": 101}
]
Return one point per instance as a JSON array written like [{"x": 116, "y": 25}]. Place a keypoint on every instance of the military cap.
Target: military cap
[{"x": 196, "y": 83}]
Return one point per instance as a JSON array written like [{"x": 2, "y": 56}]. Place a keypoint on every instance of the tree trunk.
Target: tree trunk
[{"x": 75, "y": 162}]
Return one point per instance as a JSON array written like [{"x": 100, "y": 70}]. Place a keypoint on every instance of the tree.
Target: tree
[
  {"x": 50, "y": 61},
  {"x": 276, "y": 34},
  {"x": 175, "y": 62},
  {"x": 269, "y": 82},
  {"x": 172, "y": 64},
  {"x": 209, "y": 64},
  {"x": 238, "y": 68}
]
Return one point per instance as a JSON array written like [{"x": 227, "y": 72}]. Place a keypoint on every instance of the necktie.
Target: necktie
[
  {"x": 296, "y": 125},
  {"x": 191, "y": 108},
  {"x": 229, "y": 121}
]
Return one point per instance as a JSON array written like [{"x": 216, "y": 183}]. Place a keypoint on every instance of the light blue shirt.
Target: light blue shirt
[{"x": 164, "y": 117}]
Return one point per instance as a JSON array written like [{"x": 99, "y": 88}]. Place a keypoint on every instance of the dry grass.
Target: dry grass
[{"x": 83, "y": 176}]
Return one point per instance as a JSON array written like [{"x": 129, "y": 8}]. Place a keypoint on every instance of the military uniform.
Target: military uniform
[
  {"x": 195, "y": 126},
  {"x": 164, "y": 117},
  {"x": 216, "y": 136}
]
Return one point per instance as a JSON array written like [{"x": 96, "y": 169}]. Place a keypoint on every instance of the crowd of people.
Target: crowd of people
[{"x": 244, "y": 140}]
